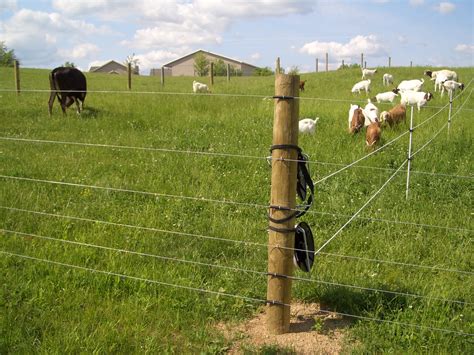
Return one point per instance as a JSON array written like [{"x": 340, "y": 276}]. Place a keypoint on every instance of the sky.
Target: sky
[{"x": 47, "y": 33}]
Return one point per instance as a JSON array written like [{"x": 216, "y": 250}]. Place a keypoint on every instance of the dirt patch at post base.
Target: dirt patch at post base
[{"x": 311, "y": 332}]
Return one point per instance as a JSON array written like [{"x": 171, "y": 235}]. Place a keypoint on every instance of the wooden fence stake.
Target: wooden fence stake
[
  {"x": 228, "y": 72},
  {"x": 389, "y": 62},
  {"x": 129, "y": 73},
  {"x": 277, "y": 66},
  {"x": 317, "y": 65},
  {"x": 211, "y": 73},
  {"x": 327, "y": 61},
  {"x": 162, "y": 76},
  {"x": 362, "y": 60},
  {"x": 16, "y": 67},
  {"x": 283, "y": 193}
]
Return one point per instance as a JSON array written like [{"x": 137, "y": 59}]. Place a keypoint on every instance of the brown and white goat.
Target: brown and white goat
[
  {"x": 395, "y": 115},
  {"x": 356, "y": 119},
  {"x": 373, "y": 133}
]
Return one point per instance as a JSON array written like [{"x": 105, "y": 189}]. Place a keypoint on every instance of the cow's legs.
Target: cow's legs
[
  {"x": 52, "y": 96},
  {"x": 64, "y": 103}
]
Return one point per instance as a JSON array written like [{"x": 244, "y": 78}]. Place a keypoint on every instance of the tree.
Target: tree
[
  {"x": 7, "y": 57},
  {"x": 69, "y": 65},
  {"x": 267, "y": 71},
  {"x": 133, "y": 62},
  {"x": 201, "y": 64}
]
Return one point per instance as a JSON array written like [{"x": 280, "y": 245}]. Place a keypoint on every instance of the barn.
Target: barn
[
  {"x": 184, "y": 66},
  {"x": 111, "y": 67}
]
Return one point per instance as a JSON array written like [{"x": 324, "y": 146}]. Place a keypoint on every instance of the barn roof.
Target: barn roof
[
  {"x": 96, "y": 68},
  {"x": 170, "y": 64}
]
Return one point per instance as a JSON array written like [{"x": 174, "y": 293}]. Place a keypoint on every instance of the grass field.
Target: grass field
[{"x": 203, "y": 201}]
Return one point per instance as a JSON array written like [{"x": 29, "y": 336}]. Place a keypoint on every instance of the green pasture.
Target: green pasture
[{"x": 190, "y": 226}]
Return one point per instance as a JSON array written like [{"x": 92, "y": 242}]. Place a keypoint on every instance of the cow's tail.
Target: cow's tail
[{"x": 53, "y": 84}]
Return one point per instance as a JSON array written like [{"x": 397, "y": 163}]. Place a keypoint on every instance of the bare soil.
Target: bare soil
[{"x": 311, "y": 332}]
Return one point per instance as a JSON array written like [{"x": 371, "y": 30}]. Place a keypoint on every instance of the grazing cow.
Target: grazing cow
[
  {"x": 69, "y": 86},
  {"x": 302, "y": 82}
]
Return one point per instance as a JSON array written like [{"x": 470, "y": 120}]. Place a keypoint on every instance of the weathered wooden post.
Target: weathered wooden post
[
  {"x": 362, "y": 60},
  {"x": 228, "y": 72},
  {"x": 389, "y": 62},
  {"x": 343, "y": 64},
  {"x": 16, "y": 67},
  {"x": 283, "y": 202},
  {"x": 162, "y": 76},
  {"x": 365, "y": 64},
  {"x": 277, "y": 66},
  {"x": 317, "y": 65},
  {"x": 409, "y": 157},
  {"x": 211, "y": 73},
  {"x": 327, "y": 61},
  {"x": 411, "y": 64},
  {"x": 129, "y": 73}
]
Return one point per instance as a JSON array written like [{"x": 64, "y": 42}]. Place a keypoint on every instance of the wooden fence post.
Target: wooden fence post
[
  {"x": 129, "y": 73},
  {"x": 411, "y": 64},
  {"x": 343, "y": 64},
  {"x": 16, "y": 67},
  {"x": 277, "y": 66},
  {"x": 389, "y": 62},
  {"x": 365, "y": 64},
  {"x": 327, "y": 61},
  {"x": 211, "y": 73},
  {"x": 362, "y": 60},
  {"x": 283, "y": 194},
  {"x": 228, "y": 72},
  {"x": 162, "y": 76},
  {"x": 317, "y": 65}
]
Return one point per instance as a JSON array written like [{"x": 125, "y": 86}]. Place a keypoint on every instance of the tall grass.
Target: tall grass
[{"x": 54, "y": 308}]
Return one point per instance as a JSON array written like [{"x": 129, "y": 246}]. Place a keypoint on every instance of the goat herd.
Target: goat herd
[{"x": 410, "y": 94}]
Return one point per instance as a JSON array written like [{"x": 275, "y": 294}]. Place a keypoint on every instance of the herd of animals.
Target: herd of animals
[
  {"x": 69, "y": 86},
  {"x": 410, "y": 92}
]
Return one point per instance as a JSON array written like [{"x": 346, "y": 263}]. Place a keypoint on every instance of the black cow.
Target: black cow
[{"x": 69, "y": 85}]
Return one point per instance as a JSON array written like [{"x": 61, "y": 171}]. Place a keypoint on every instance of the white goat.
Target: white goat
[
  {"x": 368, "y": 72},
  {"x": 387, "y": 79},
  {"x": 415, "y": 98},
  {"x": 200, "y": 87},
  {"x": 411, "y": 85},
  {"x": 441, "y": 75},
  {"x": 307, "y": 125},
  {"x": 451, "y": 86},
  {"x": 388, "y": 96},
  {"x": 361, "y": 85},
  {"x": 371, "y": 113}
]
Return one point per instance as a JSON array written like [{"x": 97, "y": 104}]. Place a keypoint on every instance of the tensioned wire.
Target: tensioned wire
[
  {"x": 236, "y": 269},
  {"x": 214, "y": 154},
  {"x": 218, "y": 293},
  {"x": 226, "y": 202},
  {"x": 242, "y": 242}
]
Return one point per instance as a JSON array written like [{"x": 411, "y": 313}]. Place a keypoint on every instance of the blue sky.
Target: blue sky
[{"x": 46, "y": 33}]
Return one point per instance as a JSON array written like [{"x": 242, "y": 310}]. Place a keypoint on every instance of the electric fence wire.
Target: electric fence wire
[{"x": 219, "y": 293}]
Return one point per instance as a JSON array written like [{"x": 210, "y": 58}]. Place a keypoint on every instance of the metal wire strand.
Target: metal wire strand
[{"x": 250, "y": 299}]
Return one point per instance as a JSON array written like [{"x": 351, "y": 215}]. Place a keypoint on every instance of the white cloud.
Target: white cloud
[
  {"x": 369, "y": 45},
  {"x": 8, "y": 5},
  {"x": 445, "y": 7},
  {"x": 156, "y": 59},
  {"x": 81, "y": 51},
  {"x": 37, "y": 36},
  {"x": 256, "y": 56},
  {"x": 417, "y": 2},
  {"x": 465, "y": 48}
]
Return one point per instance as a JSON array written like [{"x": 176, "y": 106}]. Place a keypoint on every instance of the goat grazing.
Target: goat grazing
[
  {"x": 373, "y": 133},
  {"x": 451, "y": 86},
  {"x": 411, "y": 85},
  {"x": 395, "y": 115},
  {"x": 307, "y": 125},
  {"x": 302, "y": 82},
  {"x": 361, "y": 85},
  {"x": 441, "y": 75},
  {"x": 199, "y": 87},
  {"x": 371, "y": 113},
  {"x": 415, "y": 98},
  {"x": 368, "y": 72},
  {"x": 387, "y": 79},
  {"x": 388, "y": 96},
  {"x": 356, "y": 119}
]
